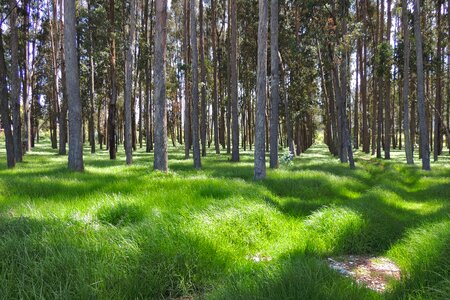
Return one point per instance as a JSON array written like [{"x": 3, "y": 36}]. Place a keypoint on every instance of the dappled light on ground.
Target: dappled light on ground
[{"x": 118, "y": 231}]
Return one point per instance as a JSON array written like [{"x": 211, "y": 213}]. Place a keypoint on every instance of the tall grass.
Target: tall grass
[{"x": 118, "y": 231}]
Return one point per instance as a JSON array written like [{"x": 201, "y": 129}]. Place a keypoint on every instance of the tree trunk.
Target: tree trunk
[
  {"x": 15, "y": 84},
  {"x": 194, "y": 118},
  {"x": 4, "y": 106},
  {"x": 423, "y": 128},
  {"x": 387, "y": 104},
  {"x": 73, "y": 88},
  {"x": 260, "y": 126},
  {"x": 275, "y": 82},
  {"x": 438, "y": 102},
  {"x": 187, "y": 104},
  {"x": 405, "y": 93},
  {"x": 203, "y": 82},
  {"x": 112, "y": 111},
  {"x": 130, "y": 32},
  {"x": 160, "y": 160},
  {"x": 215, "y": 108},
  {"x": 234, "y": 85}
]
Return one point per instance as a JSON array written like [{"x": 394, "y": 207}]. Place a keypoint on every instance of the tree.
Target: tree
[
  {"x": 275, "y": 91},
  {"x": 4, "y": 107},
  {"x": 405, "y": 93},
  {"x": 261, "y": 69},
  {"x": 15, "y": 84},
  {"x": 234, "y": 85},
  {"x": 203, "y": 81},
  {"x": 112, "y": 110},
  {"x": 129, "y": 80},
  {"x": 160, "y": 160},
  {"x": 423, "y": 127},
  {"x": 215, "y": 104},
  {"x": 73, "y": 88},
  {"x": 194, "y": 116}
]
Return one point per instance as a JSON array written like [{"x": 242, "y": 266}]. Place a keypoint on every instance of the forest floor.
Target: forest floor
[{"x": 127, "y": 232}]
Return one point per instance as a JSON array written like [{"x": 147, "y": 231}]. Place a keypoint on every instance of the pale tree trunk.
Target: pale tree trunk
[
  {"x": 405, "y": 93},
  {"x": 194, "y": 53},
  {"x": 260, "y": 125},
  {"x": 112, "y": 111},
  {"x": 15, "y": 84},
  {"x": 203, "y": 82},
  {"x": 275, "y": 82},
  {"x": 160, "y": 160},
  {"x": 27, "y": 99},
  {"x": 363, "y": 75},
  {"x": 234, "y": 86},
  {"x": 4, "y": 108},
  {"x": 423, "y": 128},
  {"x": 215, "y": 108},
  {"x": 73, "y": 88},
  {"x": 130, "y": 32}
]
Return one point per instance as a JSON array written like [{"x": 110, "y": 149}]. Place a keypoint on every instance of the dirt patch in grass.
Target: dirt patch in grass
[{"x": 373, "y": 272}]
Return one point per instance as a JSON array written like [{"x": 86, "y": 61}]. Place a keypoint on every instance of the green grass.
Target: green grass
[{"x": 119, "y": 231}]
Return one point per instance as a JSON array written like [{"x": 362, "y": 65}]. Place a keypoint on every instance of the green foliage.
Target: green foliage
[{"x": 384, "y": 58}]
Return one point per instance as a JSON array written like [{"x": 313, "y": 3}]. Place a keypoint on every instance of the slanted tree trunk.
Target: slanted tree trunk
[
  {"x": 73, "y": 88},
  {"x": 112, "y": 110},
  {"x": 194, "y": 118},
  {"x": 405, "y": 93},
  {"x": 160, "y": 160},
  {"x": 15, "y": 84},
  {"x": 234, "y": 86},
  {"x": 4, "y": 107},
  {"x": 129, "y": 31},
  {"x": 423, "y": 128},
  {"x": 275, "y": 82},
  {"x": 261, "y": 93}
]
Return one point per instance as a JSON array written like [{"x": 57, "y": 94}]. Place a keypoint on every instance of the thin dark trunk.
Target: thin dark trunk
[
  {"x": 215, "y": 108},
  {"x": 4, "y": 107},
  {"x": 203, "y": 82},
  {"x": 112, "y": 111},
  {"x": 275, "y": 82},
  {"x": 234, "y": 85},
  {"x": 194, "y": 116}
]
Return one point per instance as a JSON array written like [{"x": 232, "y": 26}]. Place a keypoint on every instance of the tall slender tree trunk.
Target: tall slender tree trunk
[
  {"x": 187, "y": 105},
  {"x": 437, "y": 150},
  {"x": 234, "y": 85},
  {"x": 405, "y": 93},
  {"x": 27, "y": 99},
  {"x": 387, "y": 104},
  {"x": 275, "y": 83},
  {"x": 130, "y": 32},
  {"x": 4, "y": 108},
  {"x": 64, "y": 104},
  {"x": 15, "y": 84},
  {"x": 203, "y": 82},
  {"x": 112, "y": 110},
  {"x": 91, "y": 84},
  {"x": 215, "y": 108},
  {"x": 423, "y": 128},
  {"x": 73, "y": 88},
  {"x": 194, "y": 118},
  {"x": 160, "y": 160},
  {"x": 261, "y": 93}
]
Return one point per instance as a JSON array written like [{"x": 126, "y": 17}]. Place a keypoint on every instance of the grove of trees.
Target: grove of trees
[{"x": 235, "y": 75}]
